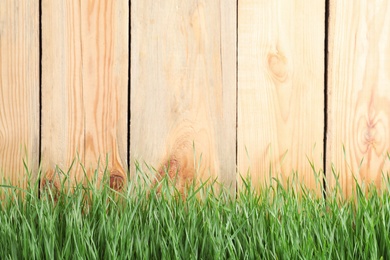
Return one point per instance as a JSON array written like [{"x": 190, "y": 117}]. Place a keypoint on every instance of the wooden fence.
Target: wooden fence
[{"x": 268, "y": 88}]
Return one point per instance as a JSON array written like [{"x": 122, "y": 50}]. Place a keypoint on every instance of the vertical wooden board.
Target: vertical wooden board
[
  {"x": 105, "y": 55},
  {"x": 183, "y": 80},
  {"x": 19, "y": 89},
  {"x": 63, "y": 112},
  {"x": 280, "y": 90},
  {"x": 359, "y": 96},
  {"x": 84, "y": 91}
]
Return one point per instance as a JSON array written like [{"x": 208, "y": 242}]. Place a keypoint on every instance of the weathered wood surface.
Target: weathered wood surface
[
  {"x": 280, "y": 89},
  {"x": 183, "y": 67},
  {"x": 359, "y": 93},
  {"x": 85, "y": 86},
  {"x": 19, "y": 90}
]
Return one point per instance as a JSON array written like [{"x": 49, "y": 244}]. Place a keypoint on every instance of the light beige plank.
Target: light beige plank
[
  {"x": 19, "y": 89},
  {"x": 359, "y": 96},
  {"x": 183, "y": 87},
  {"x": 85, "y": 75},
  {"x": 280, "y": 89}
]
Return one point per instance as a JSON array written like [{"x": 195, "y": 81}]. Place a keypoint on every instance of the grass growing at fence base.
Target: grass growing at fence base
[{"x": 145, "y": 223}]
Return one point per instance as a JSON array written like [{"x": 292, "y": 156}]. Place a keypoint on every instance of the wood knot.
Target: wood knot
[
  {"x": 179, "y": 171},
  {"x": 171, "y": 167},
  {"x": 117, "y": 180},
  {"x": 372, "y": 134},
  {"x": 278, "y": 66}
]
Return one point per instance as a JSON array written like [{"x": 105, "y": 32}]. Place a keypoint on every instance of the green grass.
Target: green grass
[{"x": 142, "y": 223}]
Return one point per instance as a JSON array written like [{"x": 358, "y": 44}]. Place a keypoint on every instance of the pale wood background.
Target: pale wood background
[
  {"x": 183, "y": 87},
  {"x": 84, "y": 89},
  {"x": 231, "y": 84},
  {"x": 19, "y": 89},
  {"x": 280, "y": 89},
  {"x": 359, "y": 93}
]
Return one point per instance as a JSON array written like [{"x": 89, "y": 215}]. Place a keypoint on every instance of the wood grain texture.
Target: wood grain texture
[
  {"x": 19, "y": 89},
  {"x": 359, "y": 96},
  {"x": 280, "y": 89},
  {"x": 183, "y": 81},
  {"x": 84, "y": 90}
]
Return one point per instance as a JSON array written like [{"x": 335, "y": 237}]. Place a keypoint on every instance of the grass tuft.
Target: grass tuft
[{"x": 154, "y": 221}]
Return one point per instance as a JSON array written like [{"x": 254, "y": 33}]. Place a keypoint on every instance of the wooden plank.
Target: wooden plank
[
  {"x": 19, "y": 89},
  {"x": 84, "y": 91},
  {"x": 280, "y": 89},
  {"x": 183, "y": 69},
  {"x": 359, "y": 96}
]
